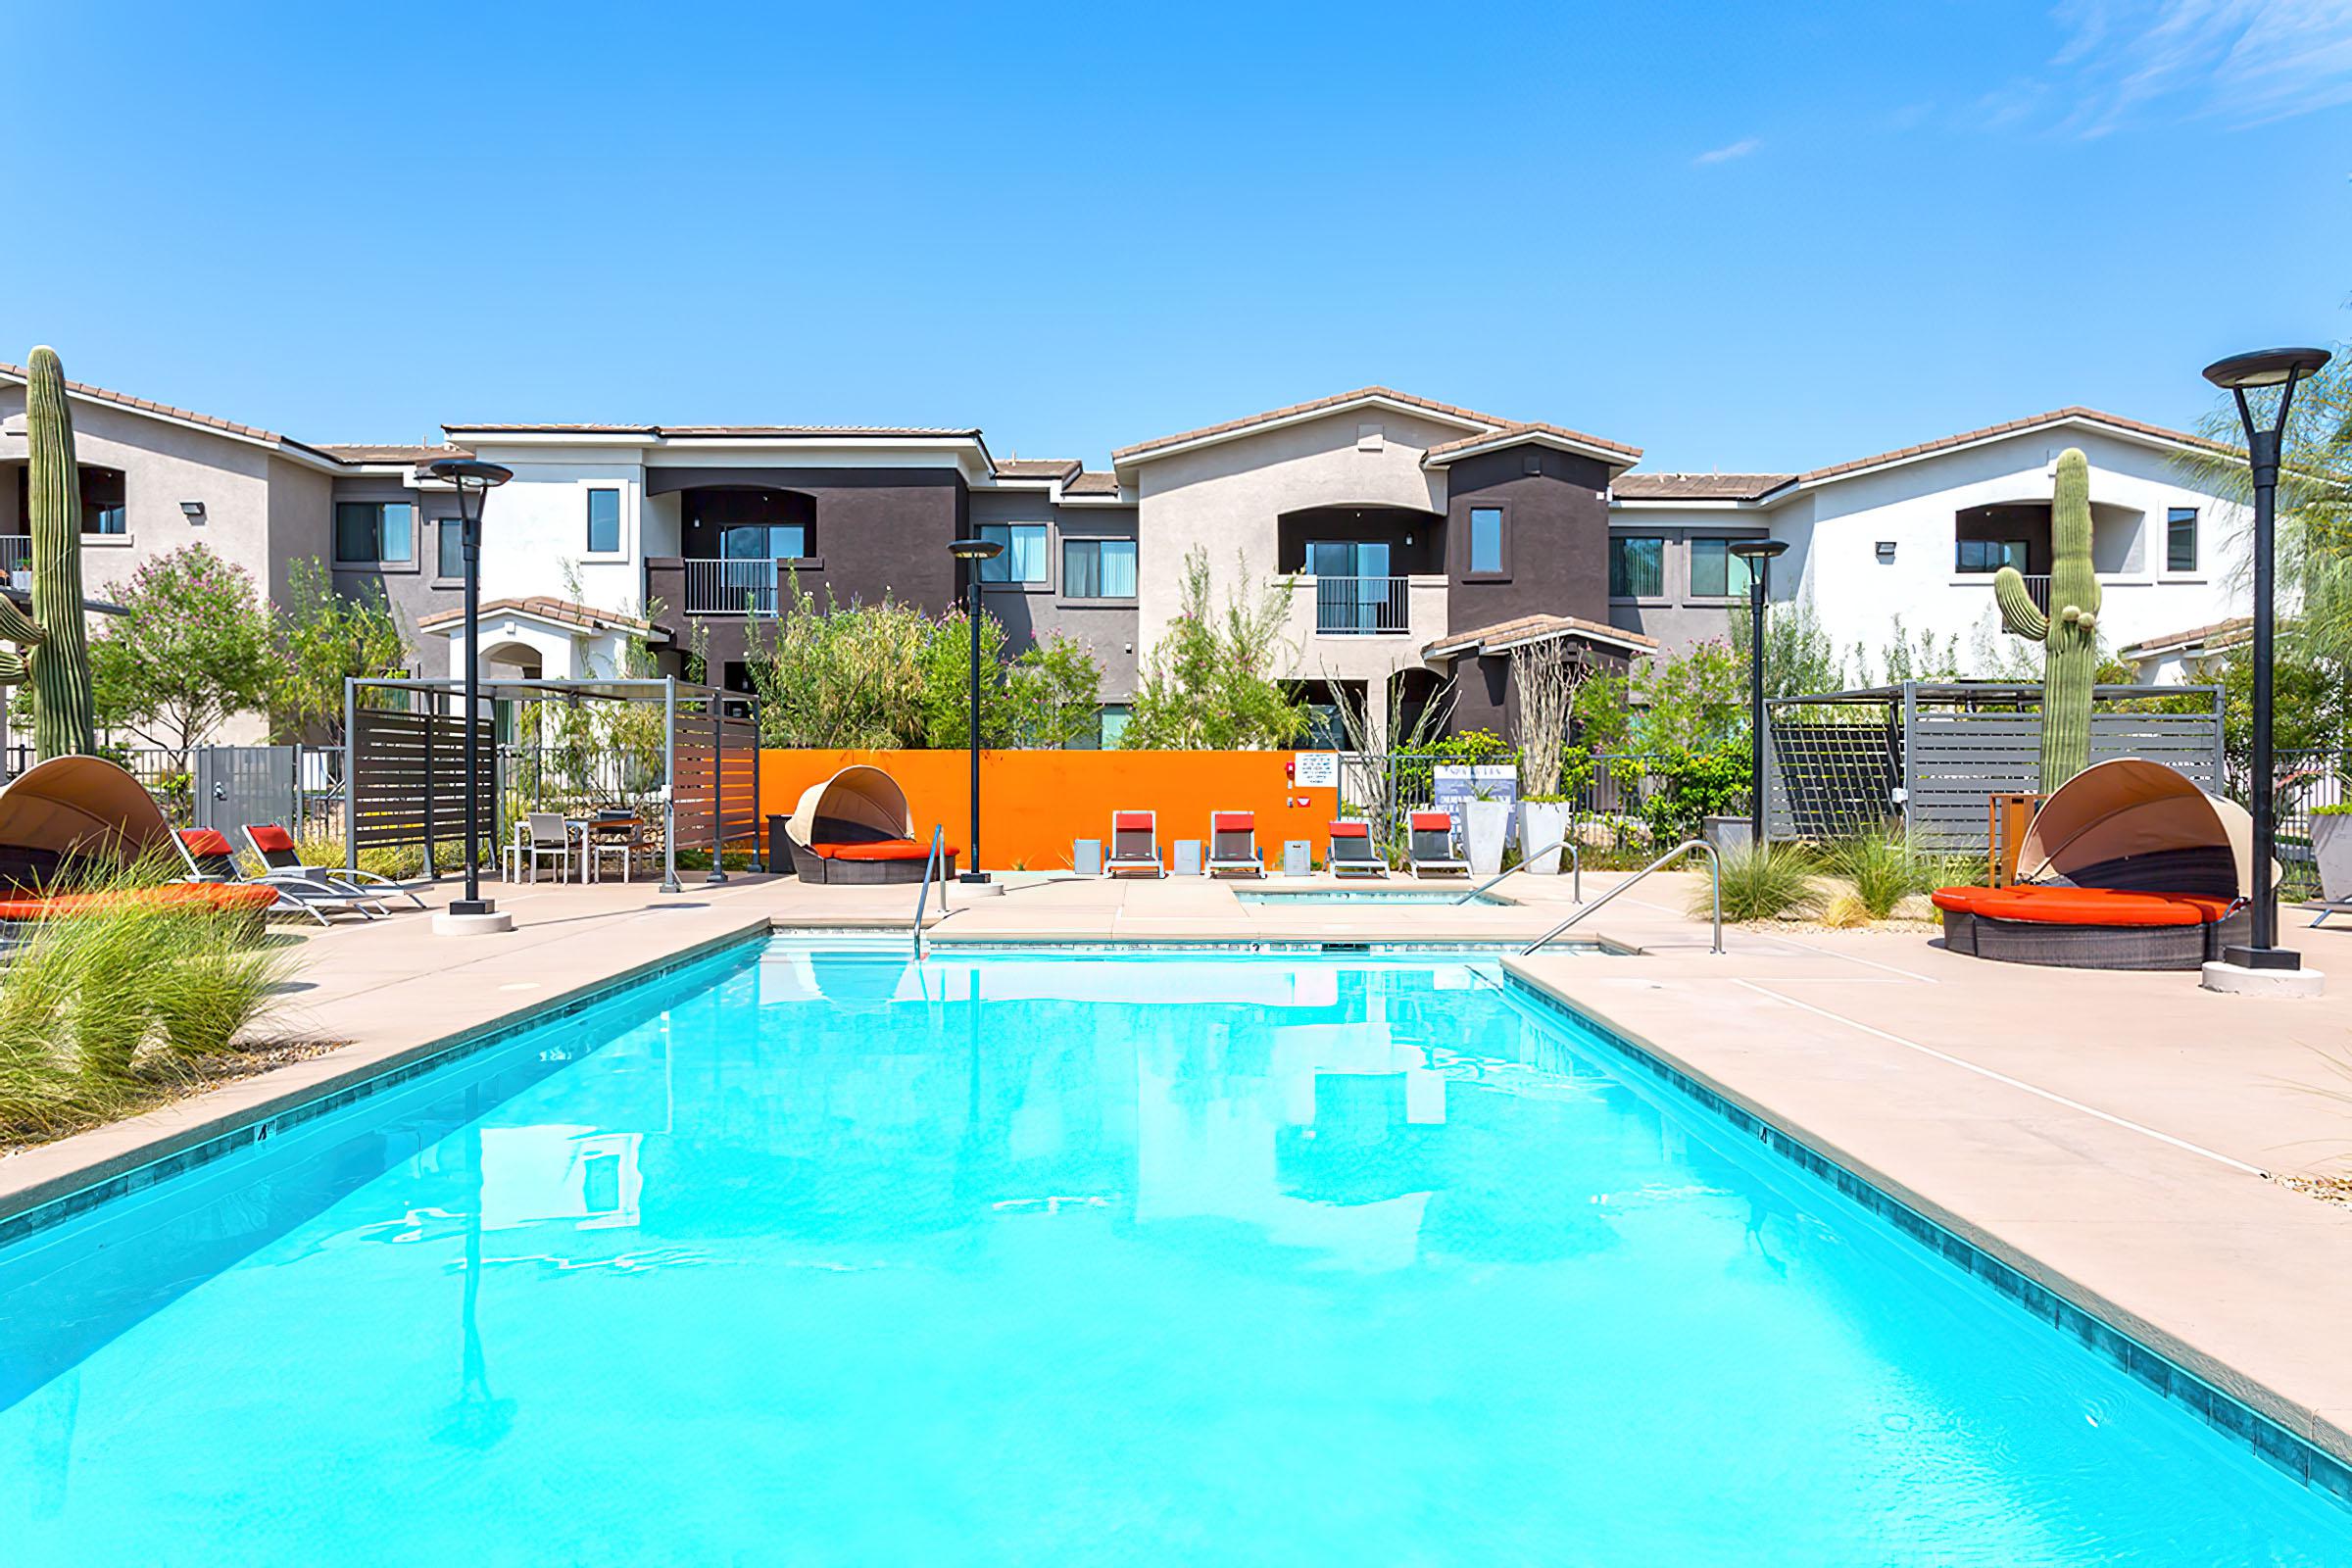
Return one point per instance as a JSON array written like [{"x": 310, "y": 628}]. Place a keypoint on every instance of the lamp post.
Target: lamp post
[
  {"x": 1759, "y": 554},
  {"x": 2281, "y": 368},
  {"x": 473, "y": 480},
  {"x": 972, "y": 551}
]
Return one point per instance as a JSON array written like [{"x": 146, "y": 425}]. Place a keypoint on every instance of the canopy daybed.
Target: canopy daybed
[
  {"x": 855, "y": 827},
  {"x": 2128, "y": 865}
]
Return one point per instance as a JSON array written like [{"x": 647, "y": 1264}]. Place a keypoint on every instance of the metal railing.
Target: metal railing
[
  {"x": 2038, "y": 587},
  {"x": 1362, "y": 607},
  {"x": 922, "y": 899},
  {"x": 733, "y": 586},
  {"x": 1715, "y": 872},
  {"x": 1575, "y": 872},
  {"x": 15, "y": 559}
]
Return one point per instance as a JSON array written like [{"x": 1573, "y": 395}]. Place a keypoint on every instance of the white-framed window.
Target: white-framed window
[
  {"x": 1022, "y": 561},
  {"x": 604, "y": 522},
  {"x": 2181, "y": 539},
  {"x": 1486, "y": 540},
  {"x": 375, "y": 533},
  {"x": 1097, "y": 568}
]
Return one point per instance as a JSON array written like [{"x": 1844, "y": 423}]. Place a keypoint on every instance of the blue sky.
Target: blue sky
[{"x": 1739, "y": 236}]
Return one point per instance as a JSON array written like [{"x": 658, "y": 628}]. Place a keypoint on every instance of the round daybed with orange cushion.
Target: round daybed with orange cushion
[
  {"x": 853, "y": 827},
  {"x": 24, "y": 906},
  {"x": 2130, "y": 865}
]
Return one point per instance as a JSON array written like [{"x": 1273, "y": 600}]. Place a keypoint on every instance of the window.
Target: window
[
  {"x": 450, "y": 535},
  {"x": 1485, "y": 539},
  {"x": 102, "y": 508},
  {"x": 604, "y": 522},
  {"x": 764, "y": 541},
  {"x": 375, "y": 533},
  {"x": 1989, "y": 555},
  {"x": 1097, "y": 568},
  {"x": 2181, "y": 539},
  {"x": 1110, "y": 722},
  {"x": 1023, "y": 557},
  {"x": 1715, "y": 572},
  {"x": 1637, "y": 568}
]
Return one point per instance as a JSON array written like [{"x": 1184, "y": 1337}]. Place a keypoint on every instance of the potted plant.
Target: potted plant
[
  {"x": 1542, "y": 827},
  {"x": 1486, "y": 828},
  {"x": 2332, "y": 848}
]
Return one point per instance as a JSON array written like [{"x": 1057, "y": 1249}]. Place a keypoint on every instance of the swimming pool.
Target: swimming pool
[
  {"x": 834, "y": 1257},
  {"x": 1359, "y": 895}
]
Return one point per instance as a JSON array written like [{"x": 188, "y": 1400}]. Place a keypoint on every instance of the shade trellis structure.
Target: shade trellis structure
[
  {"x": 1928, "y": 754},
  {"x": 696, "y": 750}
]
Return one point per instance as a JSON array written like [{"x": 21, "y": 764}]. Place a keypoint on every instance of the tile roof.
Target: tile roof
[
  {"x": 563, "y": 611},
  {"x": 1092, "y": 482},
  {"x": 2220, "y": 634},
  {"x": 1037, "y": 467},
  {"x": 1517, "y": 431},
  {"x": 1313, "y": 406},
  {"x": 210, "y": 421},
  {"x": 2011, "y": 427},
  {"x": 738, "y": 431},
  {"x": 1528, "y": 628},
  {"x": 1697, "y": 486},
  {"x": 364, "y": 453}
]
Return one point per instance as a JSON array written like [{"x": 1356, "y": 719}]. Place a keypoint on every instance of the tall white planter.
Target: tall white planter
[
  {"x": 1542, "y": 824},
  {"x": 2331, "y": 847},
  {"x": 1486, "y": 828}
]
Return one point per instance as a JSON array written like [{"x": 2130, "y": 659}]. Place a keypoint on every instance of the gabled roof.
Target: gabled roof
[
  {"x": 556, "y": 612},
  {"x": 1697, "y": 486},
  {"x": 2072, "y": 415},
  {"x": 2197, "y": 639},
  {"x": 1092, "y": 482},
  {"x": 164, "y": 411},
  {"x": 1362, "y": 396},
  {"x": 1505, "y": 635},
  {"x": 1064, "y": 468},
  {"x": 415, "y": 454},
  {"x": 725, "y": 431},
  {"x": 1615, "y": 453}
]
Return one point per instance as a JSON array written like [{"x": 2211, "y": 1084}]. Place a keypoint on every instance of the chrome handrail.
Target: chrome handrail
[
  {"x": 1714, "y": 865},
  {"x": 922, "y": 899},
  {"x": 1575, "y": 872}
]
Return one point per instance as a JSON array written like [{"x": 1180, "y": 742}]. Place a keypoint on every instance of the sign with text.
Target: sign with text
[
  {"x": 1458, "y": 786},
  {"x": 1315, "y": 770}
]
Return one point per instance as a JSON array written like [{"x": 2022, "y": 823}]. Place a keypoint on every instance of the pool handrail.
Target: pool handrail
[
  {"x": 1575, "y": 872},
  {"x": 923, "y": 898},
  {"x": 1715, "y": 870}
]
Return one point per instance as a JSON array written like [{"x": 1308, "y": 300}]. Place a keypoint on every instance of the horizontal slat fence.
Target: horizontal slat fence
[{"x": 409, "y": 784}]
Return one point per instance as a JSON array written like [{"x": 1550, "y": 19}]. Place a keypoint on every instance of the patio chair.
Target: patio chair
[
  {"x": 546, "y": 834},
  {"x": 1351, "y": 849},
  {"x": 275, "y": 847},
  {"x": 210, "y": 859},
  {"x": 1430, "y": 845},
  {"x": 1233, "y": 845},
  {"x": 1134, "y": 845},
  {"x": 600, "y": 843}
]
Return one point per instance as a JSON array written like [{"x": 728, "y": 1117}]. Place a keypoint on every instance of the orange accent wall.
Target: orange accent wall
[{"x": 1034, "y": 803}]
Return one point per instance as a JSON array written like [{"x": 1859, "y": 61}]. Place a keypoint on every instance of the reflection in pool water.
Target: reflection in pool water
[{"x": 839, "y": 1259}]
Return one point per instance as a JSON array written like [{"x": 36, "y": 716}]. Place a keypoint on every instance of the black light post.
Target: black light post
[
  {"x": 972, "y": 551},
  {"x": 2281, "y": 368},
  {"x": 1759, "y": 554},
  {"x": 473, "y": 480}
]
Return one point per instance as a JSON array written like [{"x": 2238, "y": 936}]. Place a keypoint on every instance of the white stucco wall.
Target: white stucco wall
[
  {"x": 1226, "y": 498},
  {"x": 535, "y": 527},
  {"x": 1834, "y": 532}
]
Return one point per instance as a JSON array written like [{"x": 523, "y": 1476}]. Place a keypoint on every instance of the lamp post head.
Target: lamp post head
[
  {"x": 2266, "y": 367},
  {"x": 465, "y": 471},
  {"x": 1759, "y": 549},
  {"x": 975, "y": 548}
]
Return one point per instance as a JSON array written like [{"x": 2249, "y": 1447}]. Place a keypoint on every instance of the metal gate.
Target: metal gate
[{"x": 238, "y": 785}]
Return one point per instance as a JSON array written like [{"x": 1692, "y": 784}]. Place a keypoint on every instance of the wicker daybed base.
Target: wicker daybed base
[{"x": 2093, "y": 946}]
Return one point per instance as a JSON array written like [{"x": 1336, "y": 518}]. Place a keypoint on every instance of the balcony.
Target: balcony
[
  {"x": 16, "y": 559},
  {"x": 1363, "y": 606},
  {"x": 732, "y": 586}
]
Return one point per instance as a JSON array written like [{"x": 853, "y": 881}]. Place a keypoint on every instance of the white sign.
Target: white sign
[{"x": 1315, "y": 770}]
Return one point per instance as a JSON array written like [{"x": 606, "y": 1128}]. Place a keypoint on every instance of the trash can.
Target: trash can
[
  {"x": 1086, "y": 856},
  {"x": 1298, "y": 858},
  {"x": 1188, "y": 858}
]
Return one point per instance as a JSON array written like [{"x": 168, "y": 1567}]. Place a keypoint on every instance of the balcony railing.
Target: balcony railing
[
  {"x": 731, "y": 587},
  {"x": 15, "y": 559},
  {"x": 1362, "y": 607},
  {"x": 2036, "y": 588}
]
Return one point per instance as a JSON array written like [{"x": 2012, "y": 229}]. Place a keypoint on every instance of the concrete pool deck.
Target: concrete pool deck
[{"x": 2101, "y": 1133}]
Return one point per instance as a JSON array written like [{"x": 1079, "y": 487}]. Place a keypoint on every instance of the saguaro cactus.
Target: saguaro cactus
[
  {"x": 2069, "y": 631},
  {"x": 53, "y": 650}
]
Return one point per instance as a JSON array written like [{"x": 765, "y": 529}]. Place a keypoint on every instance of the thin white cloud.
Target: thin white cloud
[
  {"x": 2238, "y": 62},
  {"x": 1724, "y": 155}
]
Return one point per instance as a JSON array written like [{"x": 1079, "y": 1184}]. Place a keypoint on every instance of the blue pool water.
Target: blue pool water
[
  {"x": 838, "y": 1259},
  {"x": 1333, "y": 895}
]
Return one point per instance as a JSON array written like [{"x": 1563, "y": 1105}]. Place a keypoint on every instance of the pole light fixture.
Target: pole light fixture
[
  {"x": 974, "y": 551},
  {"x": 2240, "y": 375},
  {"x": 1759, "y": 554},
  {"x": 473, "y": 480}
]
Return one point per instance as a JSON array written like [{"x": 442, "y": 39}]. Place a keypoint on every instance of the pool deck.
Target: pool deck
[{"x": 2104, "y": 1133}]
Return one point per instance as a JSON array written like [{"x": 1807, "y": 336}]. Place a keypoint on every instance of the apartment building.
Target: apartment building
[{"x": 1414, "y": 542}]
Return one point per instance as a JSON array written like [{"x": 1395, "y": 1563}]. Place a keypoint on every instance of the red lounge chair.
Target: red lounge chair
[
  {"x": 209, "y": 860},
  {"x": 1432, "y": 845},
  {"x": 1134, "y": 845},
  {"x": 1233, "y": 845},
  {"x": 275, "y": 847},
  {"x": 1351, "y": 851}
]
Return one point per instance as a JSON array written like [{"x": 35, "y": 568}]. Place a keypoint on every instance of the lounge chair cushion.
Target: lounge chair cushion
[
  {"x": 272, "y": 840},
  {"x": 1131, "y": 821},
  {"x": 1232, "y": 823},
  {"x": 1432, "y": 822},
  {"x": 878, "y": 849},
  {"x": 208, "y": 895},
  {"x": 204, "y": 841},
  {"x": 1351, "y": 830},
  {"x": 2045, "y": 904}
]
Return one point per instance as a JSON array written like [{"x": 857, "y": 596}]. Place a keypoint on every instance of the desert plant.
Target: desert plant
[
  {"x": 1209, "y": 683},
  {"x": 1763, "y": 883},
  {"x": 2067, "y": 632},
  {"x": 1547, "y": 685},
  {"x": 52, "y": 642},
  {"x": 1881, "y": 871}
]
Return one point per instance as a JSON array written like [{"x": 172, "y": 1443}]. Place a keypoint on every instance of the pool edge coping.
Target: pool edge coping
[
  {"x": 2158, "y": 1359},
  {"x": 51, "y": 1200}
]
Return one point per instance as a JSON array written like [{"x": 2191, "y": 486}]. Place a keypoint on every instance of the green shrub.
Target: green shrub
[
  {"x": 1882, "y": 871},
  {"x": 1763, "y": 884}
]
